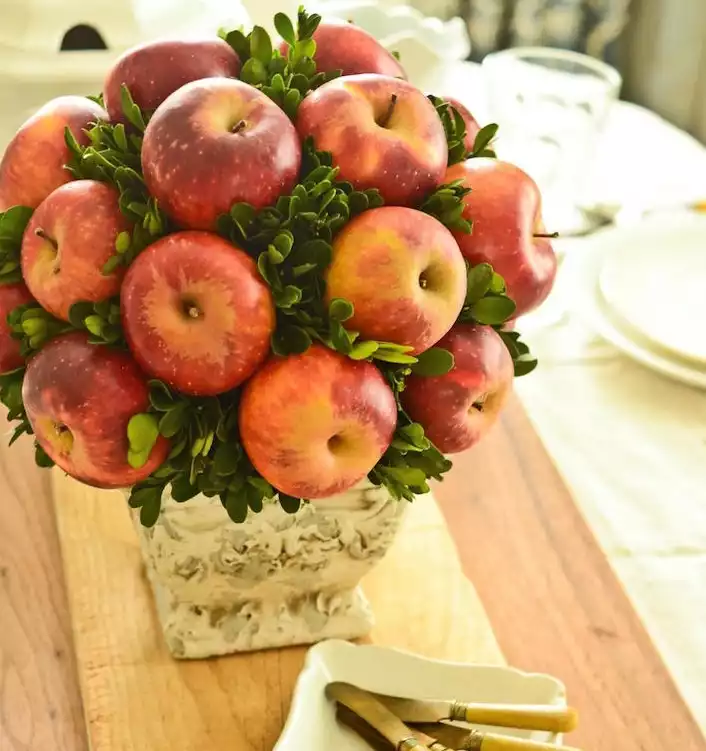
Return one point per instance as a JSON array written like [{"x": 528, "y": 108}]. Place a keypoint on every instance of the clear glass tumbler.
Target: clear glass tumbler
[{"x": 551, "y": 105}]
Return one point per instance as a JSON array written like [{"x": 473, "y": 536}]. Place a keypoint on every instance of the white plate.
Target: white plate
[
  {"x": 653, "y": 279},
  {"x": 312, "y": 721},
  {"x": 581, "y": 273}
]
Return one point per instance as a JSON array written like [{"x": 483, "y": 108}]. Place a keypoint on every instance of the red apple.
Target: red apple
[
  {"x": 472, "y": 126},
  {"x": 155, "y": 70},
  {"x": 346, "y": 47},
  {"x": 457, "y": 409},
  {"x": 79, "y": 399},
  {"x": 33, "y": 164},
  {"x": 382, "y": 132},
  {"x": 196, "y": 313},
  {"x": 315, "y": 424},
  {"x": 505, "y": 207},
  {"x": 404, "y": 274},
  {"x": 214, "y": 143},
  {"x": 11, "y": 296},
  {"x": 67, "y": 242}
]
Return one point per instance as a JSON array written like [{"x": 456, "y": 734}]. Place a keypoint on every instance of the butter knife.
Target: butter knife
[
  {"x": 554, "y": 719},
  {"x": 367, "y": 707},
  {"x": 463, "y": 739}
]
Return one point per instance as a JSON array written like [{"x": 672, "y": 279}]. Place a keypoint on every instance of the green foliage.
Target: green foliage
[
  {"x": 286, "y": 79},
  {"x": 101, "y": 320},
  {"x": 481, "y": 144},
  {"x": 446, "y": 204},
  {"x": 34, "y": 327},
  {"x": 113, "y": 156},
  {"x": 454, "y": 128},
  {"x": 13, "y": 223}
]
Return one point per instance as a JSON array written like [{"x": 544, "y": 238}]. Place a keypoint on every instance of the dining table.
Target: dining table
[{"x": 555, "y": 520}]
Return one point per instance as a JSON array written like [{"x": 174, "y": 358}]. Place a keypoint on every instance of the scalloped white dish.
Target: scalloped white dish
[{"x": 312, "y": 722}]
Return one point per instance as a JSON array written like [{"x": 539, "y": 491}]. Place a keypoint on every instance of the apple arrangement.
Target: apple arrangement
[{"x": 262, "y": 272}]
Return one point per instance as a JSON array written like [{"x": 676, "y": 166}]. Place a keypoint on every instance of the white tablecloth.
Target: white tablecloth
[{"x": 630, "y": 444}]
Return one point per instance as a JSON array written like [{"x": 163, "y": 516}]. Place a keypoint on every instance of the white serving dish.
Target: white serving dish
[{"x": 312, "y": 722}]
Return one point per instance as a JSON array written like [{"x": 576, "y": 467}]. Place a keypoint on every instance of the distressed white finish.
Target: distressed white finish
[{"x": 275, "y": 580}]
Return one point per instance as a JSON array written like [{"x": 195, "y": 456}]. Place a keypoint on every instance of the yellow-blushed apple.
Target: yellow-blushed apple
[
  {"x": 457, "y": 409},
  {"x": 68, "y": 241},
  {"x": 404, "y": 274},
  {"x": 34, "y": 162},
  {"x": 382, "y": 133},
  {"x": 196, "y": 313},
  {"x": 315, "y": 424}
]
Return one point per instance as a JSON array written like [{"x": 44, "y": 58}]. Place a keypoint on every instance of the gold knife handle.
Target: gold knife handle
[
  {"x": 492, "y": 742},
  {"x": 554, "y": 719}
]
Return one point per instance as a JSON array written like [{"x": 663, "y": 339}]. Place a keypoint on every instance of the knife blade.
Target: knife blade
[
  {"x": 367, "y": 707},
  {"x": 554, "y": 719}
]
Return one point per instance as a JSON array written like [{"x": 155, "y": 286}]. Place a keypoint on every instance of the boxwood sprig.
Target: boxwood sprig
[
  {"x": 33, "y": 327},
  {"x": 286, "y": 79},
  {"x": 455, "y": 130},
  {"x": 113, "y": 156},
  {"x": 101, "y": 320},
  {"x": 13, "y": 223}
]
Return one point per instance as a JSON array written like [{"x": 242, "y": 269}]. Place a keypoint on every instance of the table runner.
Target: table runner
[{"x": 137, "y": 697}]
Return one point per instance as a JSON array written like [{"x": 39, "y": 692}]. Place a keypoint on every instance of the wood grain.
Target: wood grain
[
  {"x": 551, "y": 595},
  {"x": 40, "y": 705},
  {"x": 137, "y": 698}
]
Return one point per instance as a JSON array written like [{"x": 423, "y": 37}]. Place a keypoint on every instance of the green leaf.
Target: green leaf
[
  {"x": 493, "y": 310},
  {"x": 484, "y": 137},
  {"x": 137, "y": 459},
  {"x": 287, "y": 297},
  {"x": 340, "y": 309},
  {"x": 141, "y": 495},
  {"x": 340, "y": 338},
  {"x": 363, "y": 350},
  {"x": 182, "y": 490},
  {"x": 41, "y": 458},
  {"x": 524, "y": 364},
  {"x": 13, "y": 223},
  {"x": 497, "y": 284},
  {"x": 142, "y": 432},
  {"x": 174, "y": 420},
  {"x": 263, "y": 488},
  {"x": 289, "y": 503},
  {"x": 254, "y": 72},
  {"x": 434, "y": 362},
  {"x": 161, "y": 397},
  {"x": 260, "y": 45},
  {"x": 94, "y": 324},
  {"x": 236, "y": 505},
  {"x": 480, "y": 278},
  {"x": 285, "y": 28},
  {"x": 290, "y": 340},
  {"x": 131, "y": 111},
  {"x": 292, "y": 99},
  {"x": 225, "y": 460},
  {"x": 111, "y": 264},
  {"x": 149, "y": 512},
  {"x": 239, "y": 42},
  {"x": 387, "y": 355},
  {"x": 406, "y": 475}
]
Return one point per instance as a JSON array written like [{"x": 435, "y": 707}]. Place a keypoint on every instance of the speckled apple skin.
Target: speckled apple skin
[
  {"x": 197, "y": 168},
  {"x": 33, "y": 164},
  {"x": 505, "y": 207},
  {"x": 84, "y": 218},
  {"x": 458, "y": 408},
  {"x": 155, "y": 70},
  {"x": 292, "y": 408},
  {"x": 378, "y": 261},
  {"x": 217, "y": 351},
  {"x": 94, "y": 391},
  {"x": 405, "y": 160}
]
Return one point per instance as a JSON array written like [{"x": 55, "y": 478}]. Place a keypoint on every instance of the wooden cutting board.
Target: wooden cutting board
[{"x": 137, "y": 698}]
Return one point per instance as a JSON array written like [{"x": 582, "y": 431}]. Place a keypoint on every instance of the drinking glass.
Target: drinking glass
[{"x": 550, "y": 105}]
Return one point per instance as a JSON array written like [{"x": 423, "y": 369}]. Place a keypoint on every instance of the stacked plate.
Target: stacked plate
[{"x": 643, "y": 288}]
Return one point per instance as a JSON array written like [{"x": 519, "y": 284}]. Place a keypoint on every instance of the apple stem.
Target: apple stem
[
  {"x": 41, "y": 233},
  {"x": 550, "y": 235},
  {"x": 390, "y": 109},
  {"x": 237, "y": 128}
]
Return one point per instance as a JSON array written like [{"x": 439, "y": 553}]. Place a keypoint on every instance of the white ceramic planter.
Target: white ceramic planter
[{"x": 275, "y": 580}]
